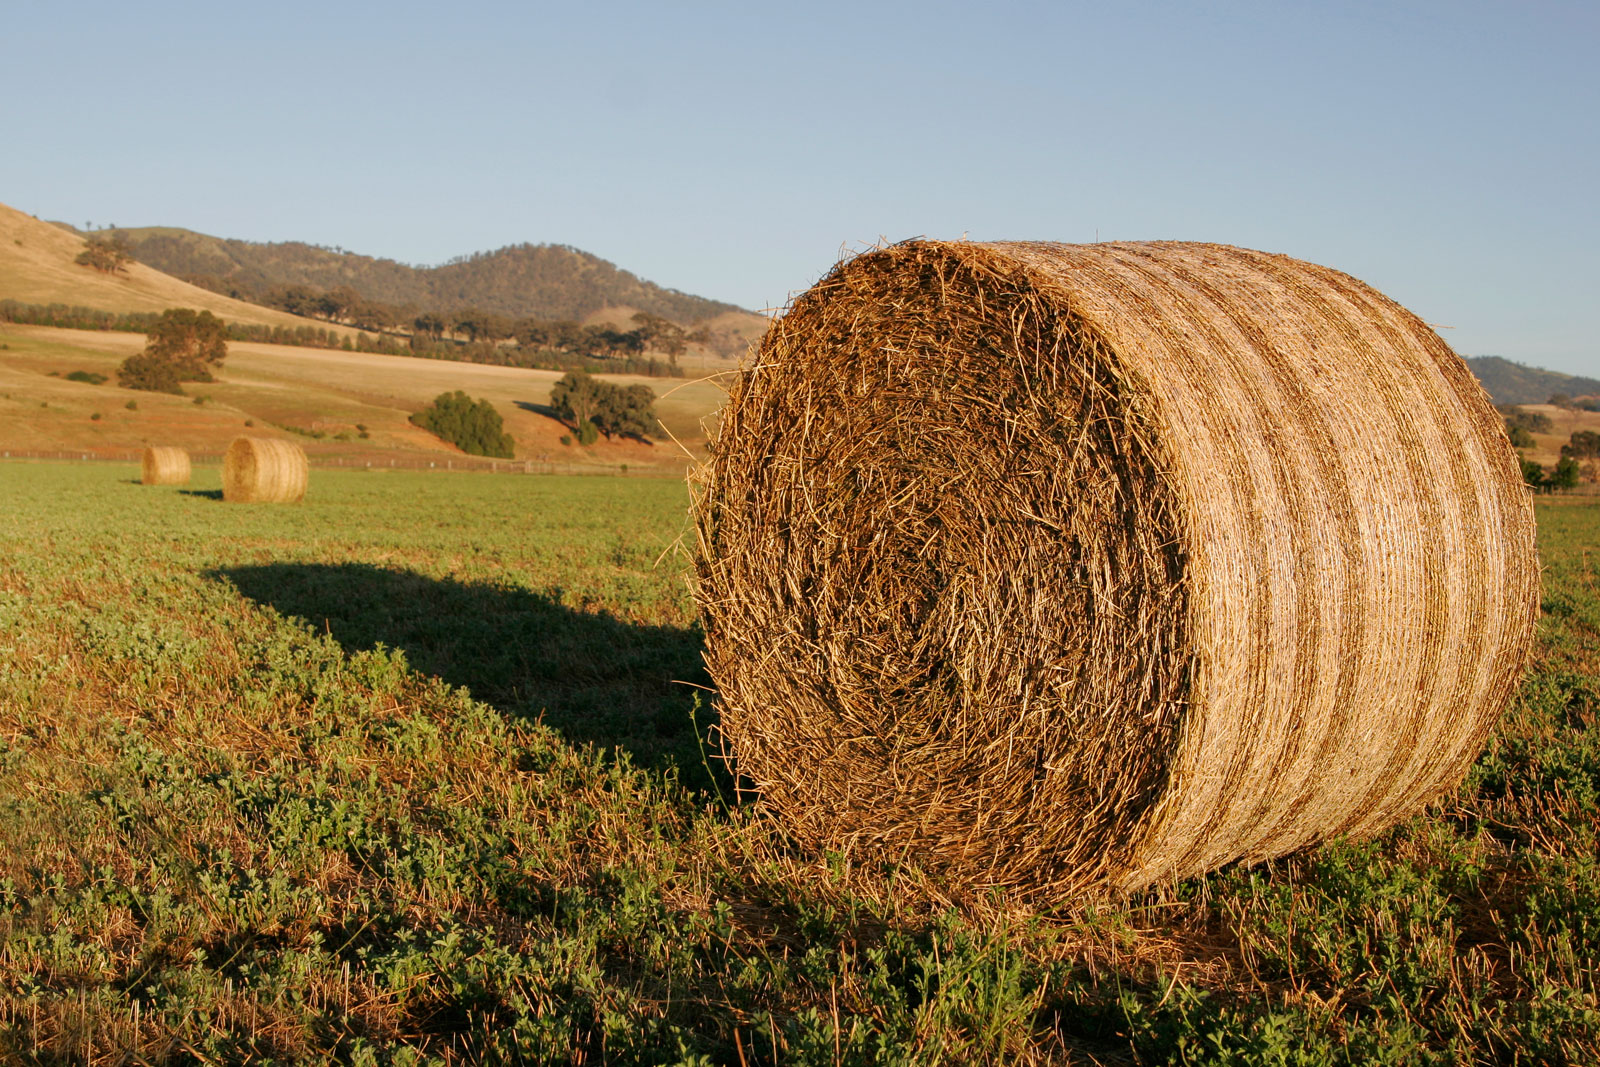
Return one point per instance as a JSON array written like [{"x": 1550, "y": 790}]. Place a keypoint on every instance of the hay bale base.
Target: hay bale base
[
  {"x": 165, "y": 465},
  {"x": 263, "y": 470},
  {"x": 1081, "y": 568}
]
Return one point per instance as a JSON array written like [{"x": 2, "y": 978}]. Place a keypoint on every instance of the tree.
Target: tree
[
  {"x": 1565, "y": 476},
  {"x": 1520, "y": 438},
  {"x": 472, "y": 426},
  {"x": 626, "y": 411},
  {"x": 591, "y": 406},
  {"x": 109, "y": 255},
  {"x": 1585, "y": 444},
  {"x": 477, "y": 325},
  {"x": 193, "y": 341},
  {"x": 576, "y": 399},
  {"x": 295, "y": 299},
  {"x": 183, "y": 345},
  {"x": 152, "y": 375},
  {"x": 661, "y": 335},
  {"x": 431, "y": 324}
]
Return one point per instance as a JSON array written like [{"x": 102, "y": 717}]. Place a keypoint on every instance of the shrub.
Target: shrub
[
  {"x": 149, "y": 373},
  {"x": 132, "y": 405},
  {"x": 1532, "y": 421},
  {"x": 1532, "y": 473},
  {"x": 472, "y": 426},
  {"x": 88, "y": 376}
]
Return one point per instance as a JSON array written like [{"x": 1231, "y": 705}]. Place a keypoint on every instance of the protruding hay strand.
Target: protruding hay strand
[
  {"x": 165, "y": 465},
  {"x": 1080, "y": 568},
  {"x": 264, "y": 470}
]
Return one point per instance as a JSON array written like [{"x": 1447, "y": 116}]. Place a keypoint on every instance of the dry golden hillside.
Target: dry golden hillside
[{"x": 36, "y": 267}]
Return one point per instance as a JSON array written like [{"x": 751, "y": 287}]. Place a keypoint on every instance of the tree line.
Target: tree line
[
  {"x": 650, "y": 334},
  {"x": 541, "y": 351}
]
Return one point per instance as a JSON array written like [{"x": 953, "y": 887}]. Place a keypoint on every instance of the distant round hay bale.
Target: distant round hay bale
[
  {"x": 165, "y": 465},
  {"x": 264, "y": 470},
  {"x": 1084, "y": 568}
]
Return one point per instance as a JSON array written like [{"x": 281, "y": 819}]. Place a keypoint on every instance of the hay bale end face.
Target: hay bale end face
[
  {"x": 264, "y": 470},
  {"x": 165, "y": 465},
  {"x": 1083, "y": 568}
]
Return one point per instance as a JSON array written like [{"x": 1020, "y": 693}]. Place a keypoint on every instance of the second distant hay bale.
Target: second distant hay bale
[
  {"x": 164, "y": 465},
  {"x": 262, "y": 470}
]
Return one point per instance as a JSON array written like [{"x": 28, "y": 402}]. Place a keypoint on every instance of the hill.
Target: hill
[
  {"x": 518, "y": 281},
  {"x": 37, "y": 267},
  {"x": 1509, "y": 382},
  {"x": 343, "y": 407}
]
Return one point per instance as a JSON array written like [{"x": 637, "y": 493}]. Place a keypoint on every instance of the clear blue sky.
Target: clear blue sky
[{"x": 1447, "y": 153}]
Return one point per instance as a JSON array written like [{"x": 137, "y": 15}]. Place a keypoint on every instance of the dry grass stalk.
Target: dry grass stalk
[
  {"x": 165, "y": 465},
  {"x": 1079, "y": 569},
  {"x": 264, "y": 470}
]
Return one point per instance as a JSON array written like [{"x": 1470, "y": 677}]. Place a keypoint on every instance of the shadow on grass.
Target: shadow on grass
[
  {"x": 208, "y": 494},
  {"x": 540, "y": 409},
  {"x": 592, "y": 677}
]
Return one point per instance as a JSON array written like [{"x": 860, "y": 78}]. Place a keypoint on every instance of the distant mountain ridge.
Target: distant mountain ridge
[
  {"x": 1509, "y": 382},
  {"x": 518, "y": 281}
]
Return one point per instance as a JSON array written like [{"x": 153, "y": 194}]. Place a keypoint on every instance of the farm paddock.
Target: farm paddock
[{"x": 414, "y": 769}]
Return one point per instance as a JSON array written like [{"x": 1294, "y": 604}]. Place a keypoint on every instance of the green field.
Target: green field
[{"x": 416, "y": 772}]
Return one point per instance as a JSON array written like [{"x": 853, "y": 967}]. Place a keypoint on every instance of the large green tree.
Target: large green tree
[
  {"x": 183, "y": 345},
  {"x": 575, "y": 398},
  {"x": 583, "y": 401}
]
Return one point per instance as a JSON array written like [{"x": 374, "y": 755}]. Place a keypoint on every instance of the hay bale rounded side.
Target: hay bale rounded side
[
  {"x": 165, "y": 465},
  {"x": 264, "y": 470},
  {"x": 1082, "y": 568}
]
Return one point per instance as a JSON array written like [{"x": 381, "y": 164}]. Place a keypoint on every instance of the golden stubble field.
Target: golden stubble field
[
  {"x": 263, "y": 388},
  {"x": 37, "y": 267}
]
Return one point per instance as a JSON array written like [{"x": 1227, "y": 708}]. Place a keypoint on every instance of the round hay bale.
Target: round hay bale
[
  {"x": 164, "y": 465},
  {"x": 1084, "y": 568},
  {"x": 264, "y": 470}
]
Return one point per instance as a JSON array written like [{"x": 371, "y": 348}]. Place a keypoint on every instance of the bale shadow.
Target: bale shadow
[
  {"x": 207, "y": 494},
  {"x": 592, "y": 677},
  {"x": 539, "y": 409}
]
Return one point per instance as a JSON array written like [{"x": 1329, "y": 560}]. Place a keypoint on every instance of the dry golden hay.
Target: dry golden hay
[
  {"x": 264, "y": 470},
  {"x": 1078, "y": 569},
  {"x": 164, "y": 465}
]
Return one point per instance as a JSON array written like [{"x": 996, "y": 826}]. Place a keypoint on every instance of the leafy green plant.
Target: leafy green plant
[{"x": 472, "y": 426}]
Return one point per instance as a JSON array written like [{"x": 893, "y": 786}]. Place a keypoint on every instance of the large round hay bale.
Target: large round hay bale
[
  {"x": 1083, "y": 568},
  {"x": 264, "y": 470},
  {"x": 165, "y": 465}
]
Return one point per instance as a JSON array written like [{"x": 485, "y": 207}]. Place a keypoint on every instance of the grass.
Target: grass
[{"x": 416, "y": 772}]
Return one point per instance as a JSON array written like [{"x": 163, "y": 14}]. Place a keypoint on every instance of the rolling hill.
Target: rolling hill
[
  {"x": 36, "y": 267},
  {"x": 518, "y": 281},
  {"x": 1509, "y": 382}
]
